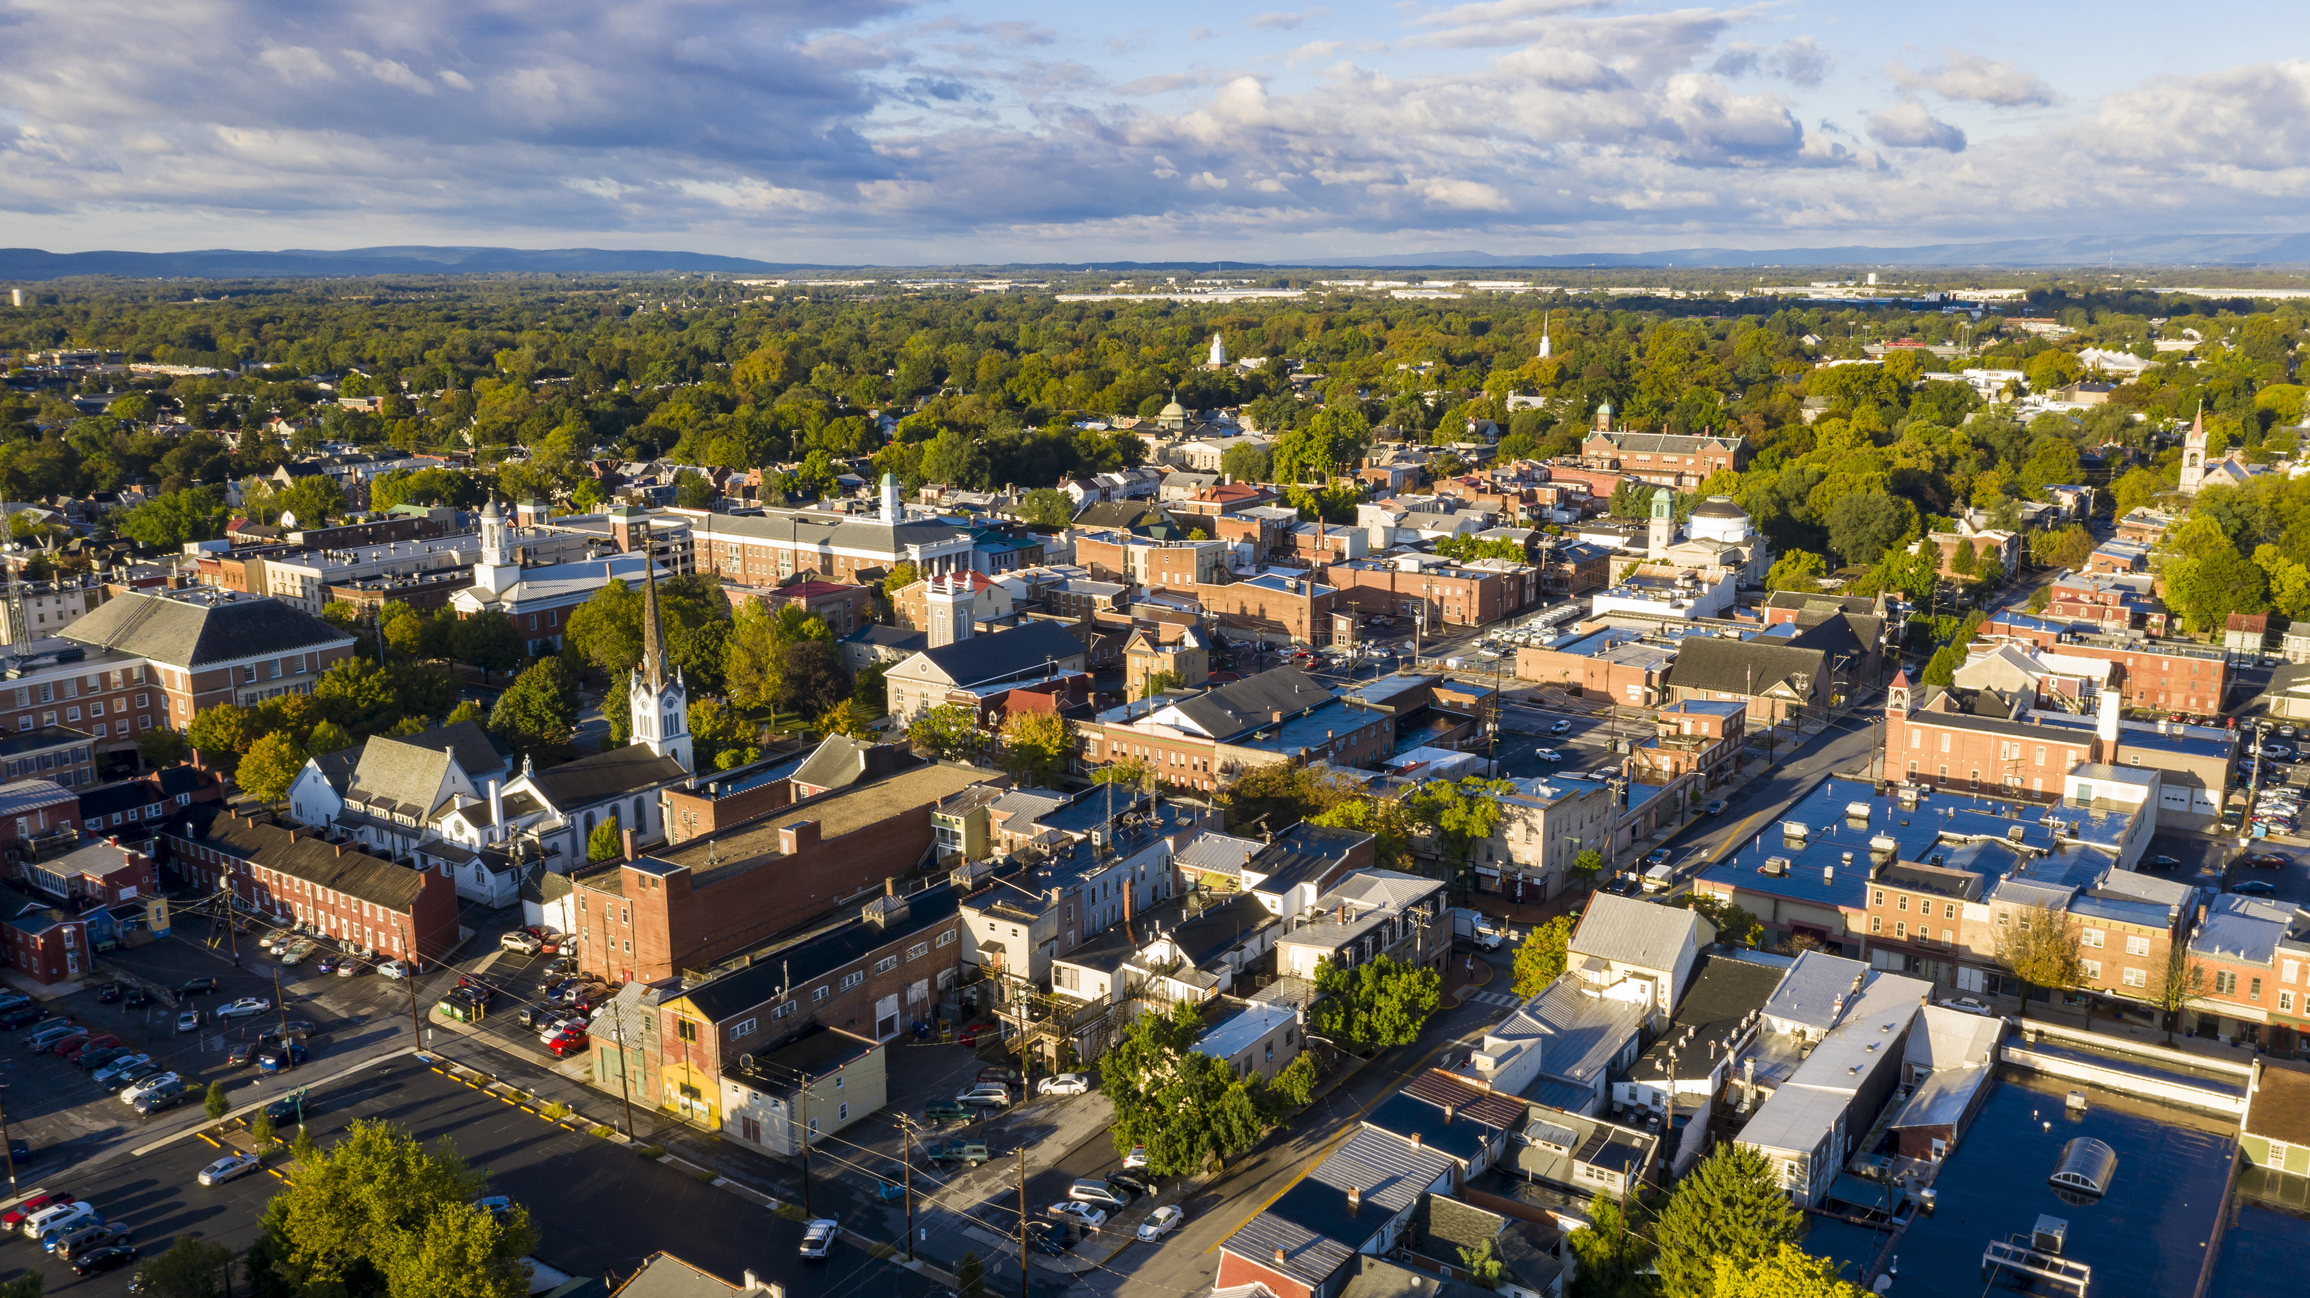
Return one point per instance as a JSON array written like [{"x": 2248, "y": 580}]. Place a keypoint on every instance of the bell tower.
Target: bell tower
[
  {"x": 659, "y": 701},
  {"x": 1662, "y": 533},
  {"x": 2194, "y": 454}
]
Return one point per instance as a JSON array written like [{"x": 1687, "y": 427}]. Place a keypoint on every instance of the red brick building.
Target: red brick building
[
  {"x": 842, "y": 606},
  {"x": 2154, "y": 675},
  {"x": 1453, "y": 596},
  {"x": 293, "y": 877},
  {"x": 41, "y": 942},
  {"x": 31, "y": 809},
  {"x": 716, "y": 894},
  {"x": 98, "y": 872}
]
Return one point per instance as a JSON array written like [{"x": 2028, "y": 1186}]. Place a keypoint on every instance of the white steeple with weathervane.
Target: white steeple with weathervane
[
  {"x": 659, "y": 699},
  {"x": 1218, "y": 352},
  {"x": 495, "y": 568}
]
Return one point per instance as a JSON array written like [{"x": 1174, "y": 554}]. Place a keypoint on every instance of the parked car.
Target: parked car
[
  {"x": 21, "y": 1015},
  {"x": 94, "y": 1236},
  {"x": 44, "y": 1039},
  {"x": 970, "y": 1153},
  {"x": 1561, "y": 728},
  {"x": 394, "y": 969},
  {"x": 971, "y": 1036},
  {"x": 1131, "y": 1181},
  {"x": 1715, "y": 807},
  {"x": 157, "y": 1101},
  {"x": 107, "y": 1072},
  {"x": 156, "y": 1082},
  {"x": 1161, "y": 1222},
  {"x": 291, "y": 1111},
  {"x": 229, "y": 1168},
  {"x": 296, "y": 954},
  {"x": 73, "y": 1052},
  {"x": 1091, "y": 1218},
  {"x": 197, "y": 987},
  {"x": 138, "y": 998},
  {"x": 818, "y": 1238},
  {"x": 567, "y": 1044},
  {"x": 2253, "y": 888},
  {"x": 109, "y": 993},
  {"x": 348, "y": 967},
  {"x": 109, "y": 1257},
  {"x": 946, "y": 1113},
  {"x": 519, "y": 940},
  {"x": 1063, "y": 1084},
  {"x": 280, "y": 1055},
  {"x": 2165, "y": 862},
  {"x": 2264, "y": 860},
  {"x": 244, "y": 1008},
  {"x": 1966, "y": 1005},
  {"x": 92, "y": 1058},
  {"x": 1137, "y": 1158},
  {"x": 327, "y": 964},
  {"x": 1099, "y": 1194},
  {"x": 12, "y": 1221},
  {"x": 58, "y": 1207},
  {"x": 992, "y": 1097},
  {"x": 188, "y": 1021}
]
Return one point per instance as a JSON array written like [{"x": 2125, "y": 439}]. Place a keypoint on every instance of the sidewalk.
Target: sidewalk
[{"x": 1461, "y": 973}]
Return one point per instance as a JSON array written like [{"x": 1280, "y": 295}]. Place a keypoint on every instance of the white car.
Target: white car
[
  {"x": 818, "y": 1237},
  {"x": 157, "y": 1081},
  {"x": 227, "y": 1168},
  {"x": 1966, "y": 1004},
  {"x": 245, "y": 1008},
  {"x": 394, "y": 969},
  {"x": 1548, "y": 754},
  {"x": 188, "y": 1021},
  {"x": 1063, "y": 1084},
  {"x": 1161, "y": 1222},
  {"x": 1560, "y": 728},
  {"x": 1092, "y": 1218},
  {"x": 1136, "y": 1159}
]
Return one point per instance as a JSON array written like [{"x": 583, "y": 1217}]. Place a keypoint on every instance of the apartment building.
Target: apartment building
[
  {"x": 1273, "y": 609},
  {"x": 1543, "y": 826},
  {"x": 1201, "y": 743},
  {"x": 1174, "y": 565},
  {"x": 296, "y": 878},
  {"x": 770, "y": 548},
  {"x": 1449, "y": 594},
  {"x": 49, "y": 607}
]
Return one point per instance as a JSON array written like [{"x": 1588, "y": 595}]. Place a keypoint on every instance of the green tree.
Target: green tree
[
  {"x": 1484, "y": 1268},
  {"x": 161, "y": 746},
  {"x": 311, "y": 501},
  {"x": 605, "y": 843},
  {"x": 843, "y": 717},
  {"x": 1613, "y": 1256},
  {"x": 693, "y": 491},
  {"x": 191, "y": 1268},
  {"x": 1462, "y": 813},
  {"x": 1157, "y": 682},
  {"x": 755, "y": 660},
  {"x": 1587, "y": 863},
  {"x": 1295, "y": 1085},
  {"x": 1190, "y": 1110},
  {"x": 1379, "y": 1003},
  {"x": 466, "y": 710},
  {"x": 1540, "y": 959},
  {"x": 1737, "y": 925},
  {"x": 2040, "y": 946},
  {"x": 270, "y": 767},
  {"x": 1965, "y": 561},
  {"x": 1728, "y": 1209},
  {"x": 1247, "y": 463},
  {"x": 606, "y": 630},
  {"x": 1864, "y": 524},
  {"x": 378, "y": 1214},
  {"x": 1048, "y": 506},
  {"x": 359, "y": 695},
  {"x": 1275, "y": 797},
  {"x": 1037, "y": 747},
  {"x": 539, "y": 710},
  {"x": 1941, "y": 668},
  {"x": 1786, "y": 1272},
  {"x": 216, "y": 1103},
  {"x": 810, "y": 678},
  {"x": 1797, "y": 570},
  {"x": 261, "y": 1128},
  {"x": 970, "y": 1275},
  {"x": 221, "y": 731},
  {"x": 1387, "y": 820},
  {"x": 487, "y": 640},
  {"x": 327, "y": 737},
  {"x": 948, "y": 730},
  {"x": 167, "y": 522},
  {"x": 2136, "y": 488},
  {"x": 716, "y": 728}
]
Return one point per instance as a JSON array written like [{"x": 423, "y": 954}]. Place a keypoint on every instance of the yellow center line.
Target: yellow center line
[{"x": 1386, "y": 1092}]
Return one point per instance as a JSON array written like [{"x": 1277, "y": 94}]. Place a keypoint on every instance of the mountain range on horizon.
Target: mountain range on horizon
[{"x": 2227, "y": 251}]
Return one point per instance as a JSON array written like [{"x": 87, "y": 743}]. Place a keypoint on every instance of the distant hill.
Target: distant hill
[
  {"x": 231, "y": 263},
  {"x": 26, "y": 264}
]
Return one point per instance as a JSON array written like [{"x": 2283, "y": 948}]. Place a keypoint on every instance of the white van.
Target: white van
[
  {"x": 54, "y": 1232},
  {"x": 1659, "y": 878},
  {"x": 38, "y": 1223}
]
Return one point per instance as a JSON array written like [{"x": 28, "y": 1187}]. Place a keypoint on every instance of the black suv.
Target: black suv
[{"x": 198, "y": 987}]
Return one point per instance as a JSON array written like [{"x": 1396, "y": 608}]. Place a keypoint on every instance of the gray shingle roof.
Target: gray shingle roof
[
  {"x": 184, "y": 633},
  {"x": 1741, "y": 667},
  {"x": 606, "y": 775},
  {"x": 1010, "y": 652},
  {"x": 398, "y": 775},
  {"x": 1250, "y": 703},
  {"x": 1634, "y": 932}
]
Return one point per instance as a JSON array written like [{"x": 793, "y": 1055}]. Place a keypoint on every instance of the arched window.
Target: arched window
[
  {"x": 589, "y": 824},
  {"x": 640, "y": 821}
]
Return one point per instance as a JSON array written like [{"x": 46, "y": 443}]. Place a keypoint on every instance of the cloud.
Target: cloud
[
  {"x": 1163, "y": 83},
  {"x": 1280, "y": 21},
  {"x": 1975, "y": 78},
  {"x": 1799, "y": 61},
  {"x": 1906, "y": 125}
]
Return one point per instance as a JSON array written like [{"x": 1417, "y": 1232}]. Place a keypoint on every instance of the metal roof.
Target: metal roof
[{"x": 1634, "y": 932}]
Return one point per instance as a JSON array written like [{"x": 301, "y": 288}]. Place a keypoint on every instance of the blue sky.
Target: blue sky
[{"x": 997, "y": 130}]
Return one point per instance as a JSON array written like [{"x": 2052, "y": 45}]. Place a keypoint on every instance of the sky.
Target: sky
[{"x": 962, "y": 131}]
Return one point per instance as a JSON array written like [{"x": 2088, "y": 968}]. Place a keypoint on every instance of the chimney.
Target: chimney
[
  {"x": 340, "y": 850},
  {"x": 496, "y": 807},
  {"x": 1355, "y": 1200},
  {"x": 1449, "y": 1111},
  {"x": 1415, "y": 1139},
  {"x": 889, "y": 885},
  {"x": 292, "y": 834},
  {"x": 1279, "y": 1259},
  {"x": 626, "y": 843}
]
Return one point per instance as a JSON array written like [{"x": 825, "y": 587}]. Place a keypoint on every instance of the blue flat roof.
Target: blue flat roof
[{"x": 2172, "y": 743}]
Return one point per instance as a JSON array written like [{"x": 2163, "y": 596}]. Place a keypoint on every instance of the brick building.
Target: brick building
[
  {"x": 42, "y": 943},
  {"x": 844, "y": 607},
  {"x": 1451, "y": 594},
  {"x": 2154, "y": 675},
  {"x": 1669, "y": 459},
  {"x": 873, "y": 977},
  {"x": 1272, "y": 609},
  {"x": 1176, "y": 565},
  {"x": 1693, "y": 736},
  {"x": 58, "y": 753},
  {"x": 1276, "y": 717},
  {"x": 293, "y": 877},
  {"x": 771, "y": 548},
  {"x": 35, "y": 809},
  {"x": 717, "y": 894},
  {"x": 96, "y": 872},
  {"x": 1614, "y": 663}
]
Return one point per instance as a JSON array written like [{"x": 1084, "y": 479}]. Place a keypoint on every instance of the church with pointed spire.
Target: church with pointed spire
[{"x": 658, "y": 698}]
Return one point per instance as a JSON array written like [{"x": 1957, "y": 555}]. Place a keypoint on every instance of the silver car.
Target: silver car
[
  {"x": 230, "y": 1167},
  {"x": 818, "y": 1238}
]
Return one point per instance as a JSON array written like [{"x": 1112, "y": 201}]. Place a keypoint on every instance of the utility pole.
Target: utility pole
[
  {"x": 416, "y": 1032},
  {"x": 906, "y": 1162},
  {"x": 5, "y": 1146},
  {"x": 625, "y": 1062},
  {"x": 804, "y": 1127},
  {"x": 281, "y": 1003},
  {"x": 1022, "y": 1221}
]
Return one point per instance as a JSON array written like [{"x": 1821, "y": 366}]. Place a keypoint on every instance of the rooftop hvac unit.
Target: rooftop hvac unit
[
  {"x": 1795, "y": 830},
  {"x": 2050, "y": 1235},
  {"x": 2017, "y": 833},
  {"x": 1857, "y": 810},
  {"x": 1884, "y": 845},
  {"x": 1776, "y": 866}
]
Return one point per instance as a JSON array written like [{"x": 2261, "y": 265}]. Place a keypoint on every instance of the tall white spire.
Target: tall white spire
[{"x": 658, "y": 698}]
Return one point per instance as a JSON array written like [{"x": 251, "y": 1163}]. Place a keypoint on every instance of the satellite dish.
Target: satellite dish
[{"x": 745, "y": 1063}]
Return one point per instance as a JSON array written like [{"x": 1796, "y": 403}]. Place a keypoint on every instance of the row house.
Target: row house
[
  {"x": 2107, "y": 601},
  {"x": 96, "y": 872},
  {"x": 1278, "y": 717},
  {"x": 1322, "y": 543},
  {"x": 1693, "y": 737},
  {"x": 58, "y": 753},
  {"x": 2153, "y": 676},
  {"x": 1176, "y": 565},
  {"x": 2241, "y": 988},
  {"x": 876, "y": 976},
  {"x": 41, "y": 942},
  {"x": 1542, "y": 828},
  {"x": 333, "y": 888}
]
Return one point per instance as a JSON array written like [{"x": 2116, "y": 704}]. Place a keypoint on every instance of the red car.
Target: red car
[
  {"x": 970, "y": 1035},
  {"x": 70, "y": 1044},
  {"x": 13, "y": 1220},
  {"x": 93, "y": 1043},
  {"x": 567, "y": 1044},
  {"x": 2264, "y": 860}
]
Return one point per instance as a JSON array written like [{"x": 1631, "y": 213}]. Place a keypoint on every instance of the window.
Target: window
[
  {"x": 2254, "y": 989},
  {"x": 2285, "y": 1002},
  {"x": 1901, "y": 901},
  {"x": 886, "y": 964},
  {"x": 853, "y": 978},
  {"x": 818, "y": 994},
  {"x": 2136, "y": 944},
  {"x": 742, "y": 1027},
  {"x": 2092, "y": 969},
  {"x": 842, "y": 1111},
  {"x": 918, "y": 951},
  {"x": 1876, "y": 923},
  {"x": 785, "y": 1008},
  {"x": 2090, "y": 937},
  {"x": 1879, "y": 900},
  {"x": 2136, "y": 978},
  {"x": 946, "y": 938},
  {"x": 2225, "y": 983},
  {"x": 1900, "y": 928}
]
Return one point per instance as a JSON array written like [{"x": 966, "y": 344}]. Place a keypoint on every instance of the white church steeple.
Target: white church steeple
[
  {"x": 659, "y": 699},
  {"x": 494, "y": 569}
]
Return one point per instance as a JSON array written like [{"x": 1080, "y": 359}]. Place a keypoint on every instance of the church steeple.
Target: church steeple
[
  {"x": 2193, "y": 474},
  {"x": 657, "y": 696}
]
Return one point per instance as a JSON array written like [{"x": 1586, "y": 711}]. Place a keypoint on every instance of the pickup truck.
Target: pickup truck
[{"x": 970, "y": 1153}]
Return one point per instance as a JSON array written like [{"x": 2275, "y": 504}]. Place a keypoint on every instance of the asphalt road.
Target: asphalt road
[{"x": 599, "y": 1207}]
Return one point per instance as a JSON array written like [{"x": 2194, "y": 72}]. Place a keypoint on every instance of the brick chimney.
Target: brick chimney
[
  {"x": 1355, "y": 1200},
  {"x": 626, "y": 843},
  {"x": 1279, "y": 1258}
]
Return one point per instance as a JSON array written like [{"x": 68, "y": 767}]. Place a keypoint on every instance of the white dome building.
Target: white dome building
[{"x": 1718, "y": 519}]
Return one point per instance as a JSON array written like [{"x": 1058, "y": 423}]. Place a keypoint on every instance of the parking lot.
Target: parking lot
[{"x": 599, "y": 1205}]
